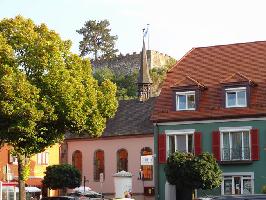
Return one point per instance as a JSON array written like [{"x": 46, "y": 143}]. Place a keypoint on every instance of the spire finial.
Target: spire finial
[{"x": 144, "y": 80}]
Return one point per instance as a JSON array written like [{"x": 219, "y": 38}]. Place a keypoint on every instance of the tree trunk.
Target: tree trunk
[
  {"x": 95, "y": 55},
  {"x": 22, "y": 167},
  {"x": 184, "y": 193}
]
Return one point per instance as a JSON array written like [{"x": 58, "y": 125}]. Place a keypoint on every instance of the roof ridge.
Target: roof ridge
[
  {"x": 181, "y": 59},
  {"x": 230, "y": 44}
]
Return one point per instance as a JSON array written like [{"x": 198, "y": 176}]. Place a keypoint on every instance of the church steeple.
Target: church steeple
[{"x": 144, "y": 79}]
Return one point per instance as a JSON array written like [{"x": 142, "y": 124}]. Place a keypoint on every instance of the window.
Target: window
[
  {"x": 180, "y": 141},
  {"x": 185, "y": 100},
  {"x": 77, "y": 160},
  {"x": 122, "y": 160},
  {"x": 12, "y": 159},
  {"x": 43, "y": 158},
  {"x": 146, "y": 169},
  {"x": 239, "y": 183},
  {"x": 236, "y": 144},
  {"x": 98, "y": 164},
  {"x": 236, "y": 97}
]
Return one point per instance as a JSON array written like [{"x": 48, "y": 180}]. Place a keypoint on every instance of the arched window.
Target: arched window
[
  {"x": 122, "y": 160},
  {"x": 77, "y": 160},
  {"x": 147, "y": 170},
  {"x": 98, "y": 164}
]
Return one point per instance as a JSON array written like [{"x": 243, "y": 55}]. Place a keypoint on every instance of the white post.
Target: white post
[
  {"x": 15, "y": 193},
  {"x": 1, "y": 188},
  {"x": 101, "y": 181}
]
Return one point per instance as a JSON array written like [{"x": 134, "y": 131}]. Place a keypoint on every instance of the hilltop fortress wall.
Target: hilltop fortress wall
[{"x": 128, "y": 63}]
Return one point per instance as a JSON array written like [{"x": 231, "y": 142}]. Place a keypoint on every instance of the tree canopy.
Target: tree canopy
[
  {"x": 62, "y": 176},
  {"x": 126, "y": 83},
  {"x": 97, "y": 40},
  {"x": 45, "y": 90},
  {"x": 188, "y": 171}
]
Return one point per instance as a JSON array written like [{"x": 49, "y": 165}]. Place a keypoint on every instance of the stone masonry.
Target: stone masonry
[{"x": 130, "y": 62}]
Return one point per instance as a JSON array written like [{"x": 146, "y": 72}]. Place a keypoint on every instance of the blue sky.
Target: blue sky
[{"x": 175, "y": 26}]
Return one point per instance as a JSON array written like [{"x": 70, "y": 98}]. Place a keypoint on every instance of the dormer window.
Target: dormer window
[
  {"x": 236, "y": 97},
  {"x": 185, "y": 100}
]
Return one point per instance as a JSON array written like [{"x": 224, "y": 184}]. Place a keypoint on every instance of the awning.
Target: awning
[
  {"x": 81, "y": 189},
  {"x": 34, "y": 182},
  {"x": 32, "y": 189}
]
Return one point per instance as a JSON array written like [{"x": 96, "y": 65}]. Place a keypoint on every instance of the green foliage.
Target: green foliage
[
  {"x": 264, "y": 189},
  {"x": 26, "y": 172},
  {"x": 62, "y": 176},
  {"x": 196, "y": 172},
  {"x": 97, "y": 40},
  {"x": 126, "y": 84},
  {"x": 46, "y": 90},
  {"x": 158, "y": 75}
]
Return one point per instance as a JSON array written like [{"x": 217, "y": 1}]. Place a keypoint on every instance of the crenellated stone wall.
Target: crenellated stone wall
[{"x": 128, "y": 63}]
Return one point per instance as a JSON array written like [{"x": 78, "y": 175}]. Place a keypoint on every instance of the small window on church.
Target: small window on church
[
  {"x": 122, "y": 160},
  {"x": 98, "y": 164},
  {"x": 77, "y": 160}
]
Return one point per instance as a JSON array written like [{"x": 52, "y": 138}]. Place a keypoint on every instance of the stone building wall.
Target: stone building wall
[{"x": 128, "y": 63}]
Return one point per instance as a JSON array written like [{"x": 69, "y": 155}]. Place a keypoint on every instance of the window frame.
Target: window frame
[
  {"x": 43, "y": 158},
  {"x": 119, "y": 160},
  {"x": 96, "y": 177},
  {"x": 236, "y": 90},
  {"x": 149, "y": 167},
  {"x": 12, "y": 159},
  {"x": 77, "y": 160},
  {"x": 235, "y": 130},
  {"x": 243, "y": 175},
  {"x": 186, "y": 94},
  {"x": 185, "y": 132}
]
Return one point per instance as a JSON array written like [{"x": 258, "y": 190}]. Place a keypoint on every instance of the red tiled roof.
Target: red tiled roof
[
  {"x": 238, "y": 77},
  {"x": 213, "y": 66},
  {"x": 34, "y": 182},
  {"x": 188, "y": 81}
]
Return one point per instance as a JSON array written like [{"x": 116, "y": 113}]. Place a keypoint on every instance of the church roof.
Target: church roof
[{"x": 132, "y": 118}]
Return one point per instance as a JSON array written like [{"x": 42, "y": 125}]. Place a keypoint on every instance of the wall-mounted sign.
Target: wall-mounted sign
[{"x": 146, "y": 160}]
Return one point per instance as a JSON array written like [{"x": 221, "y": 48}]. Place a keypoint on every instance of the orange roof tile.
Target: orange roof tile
[{"x": 212, "y": 66}]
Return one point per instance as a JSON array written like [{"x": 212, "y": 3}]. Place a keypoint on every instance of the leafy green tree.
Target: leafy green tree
[
  {"x": 189, "y": 172},
  {"x": 45, "y": 90},
  {"x": 158, "y": 75},
  {"x": 61, "y": 177},
  {"x": 126, "y": 83},
  {"x": 97, "y": 40}
]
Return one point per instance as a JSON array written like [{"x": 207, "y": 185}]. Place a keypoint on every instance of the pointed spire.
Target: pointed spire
[
  {"x": 144, "y": 79},
  {"x": 144, "y": 74}
]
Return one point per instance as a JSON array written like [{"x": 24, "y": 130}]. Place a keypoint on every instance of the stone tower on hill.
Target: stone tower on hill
[{"x": 130, "y": 62}]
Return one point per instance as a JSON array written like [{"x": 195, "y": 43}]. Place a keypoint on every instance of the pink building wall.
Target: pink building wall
[{"x": 110, "y": 146}]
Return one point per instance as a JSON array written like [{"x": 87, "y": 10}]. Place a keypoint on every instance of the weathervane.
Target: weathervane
[{"x": 147, "y": 33}]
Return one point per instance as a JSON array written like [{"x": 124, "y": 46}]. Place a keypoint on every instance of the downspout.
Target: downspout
[{"x": 157, "y": 181}]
